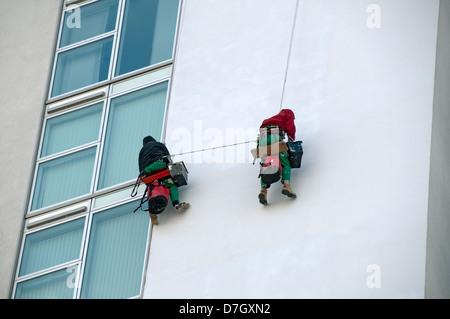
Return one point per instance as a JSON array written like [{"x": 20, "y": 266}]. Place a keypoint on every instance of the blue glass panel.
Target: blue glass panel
[
  {"x": 88, "y": 21},
  {"x": 52, "y": 246},
  {"x": 64, "y": 178},
  {"x": 56, "y": 285},
  {"x": 72, "y": 129},
  {"x": 116, "y": 253},
  {"x": 82, "y": 66},
  {"x": 132, "y": 117},
  {"x": 148, "y": 34}
]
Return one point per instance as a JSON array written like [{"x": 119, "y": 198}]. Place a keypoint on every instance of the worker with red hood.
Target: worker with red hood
[{"x": 272, "y": 131}]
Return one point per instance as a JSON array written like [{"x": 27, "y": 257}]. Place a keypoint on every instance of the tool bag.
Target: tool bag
[
  {"x": 295, "y": 151},
  {"x": 271, "y": 169},
  {"x": 158, "y": 197},
  {"x": 179, "y": 173}
]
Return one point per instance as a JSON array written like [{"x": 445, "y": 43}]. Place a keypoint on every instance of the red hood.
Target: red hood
[
  {"x": 287, "y": 114},
  {"x": 285, "y": 120}
]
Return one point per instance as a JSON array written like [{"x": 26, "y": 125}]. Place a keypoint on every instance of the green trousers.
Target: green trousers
[
  {"x": 169, "y": 183},
  {"x": 284, "y": 156}
]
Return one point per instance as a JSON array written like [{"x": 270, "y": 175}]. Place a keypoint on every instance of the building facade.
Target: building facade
[{"x": 368, "y": 83}]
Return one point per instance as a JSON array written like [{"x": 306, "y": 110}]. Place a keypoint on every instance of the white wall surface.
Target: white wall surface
[{"x": 363, "y": 102}]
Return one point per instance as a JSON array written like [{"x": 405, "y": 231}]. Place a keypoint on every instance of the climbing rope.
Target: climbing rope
[
  {"x": 211, "y": 148},
  {"x": 289, "y": 54}
]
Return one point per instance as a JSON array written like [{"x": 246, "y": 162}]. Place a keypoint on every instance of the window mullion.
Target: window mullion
[
  {"x": 84, "y": 42},
  {"x": 85, "y": 244},
  {"x": 68, "y": 152},
  {"x": 103, "y": 126},
  {"x": 115, "y": 50}
]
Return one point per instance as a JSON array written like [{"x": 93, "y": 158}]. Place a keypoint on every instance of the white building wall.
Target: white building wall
[{"x": 363, "y": 99}]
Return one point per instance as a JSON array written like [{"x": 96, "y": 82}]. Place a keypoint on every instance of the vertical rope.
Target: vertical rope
[{"x": 289, "y": 54}]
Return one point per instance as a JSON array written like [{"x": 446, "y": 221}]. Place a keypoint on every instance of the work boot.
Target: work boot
[
  {"x": 182, "y": 206},
  {"x": 154, "y": 219},
  {"x": 287, "y": 190},
  {"x": 263, "y": 196}
]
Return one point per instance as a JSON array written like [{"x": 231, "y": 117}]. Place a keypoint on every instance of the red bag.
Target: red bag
[
  {"x": 271, "y": 169},
  {"x": 158, "y": 197}
]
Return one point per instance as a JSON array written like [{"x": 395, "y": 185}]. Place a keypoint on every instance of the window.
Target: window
[
  {"x": 63, "y": 178},
  {"x": 53, "y": 246},
  {"x": 116, "y": 253},
  {"x": 68, "y": 153},
  {"x": 72, "y": 129},
  {"x": 131, "y": 117},
  {"x": 47, "y": 249},
  {"x": 98, "y": 255},
  {"x": 109, "y": 88},
  {"x": 97, "y": 18},
  {"x": 99, "y": 48},
  {"x": 95, "y": 146},
  {"x": 146, "y": 39},
  {"x": 82, "y": 66}
]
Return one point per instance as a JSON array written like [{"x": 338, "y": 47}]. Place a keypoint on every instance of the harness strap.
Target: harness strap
[{"x": 142, "y": 201}]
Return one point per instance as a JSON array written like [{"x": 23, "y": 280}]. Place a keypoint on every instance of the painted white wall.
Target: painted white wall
[{"x": 363, "y": 101}]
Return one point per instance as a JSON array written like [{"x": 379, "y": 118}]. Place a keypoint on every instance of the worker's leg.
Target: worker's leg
[
  {"x": 263, "y": 194},
  {"x": 284, "y": 160},
  {"x": 265, "y": 141},
  {"x": 286, "y": 175},
  {"x": 173, "y": 191},
  {"x": 174, "y": 195},
  {"x": 153, "y": 167}
]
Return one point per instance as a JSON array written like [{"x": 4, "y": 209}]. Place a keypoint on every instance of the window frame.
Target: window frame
[
  {"x": 116, "y": 33},
  {"x": 95, "y": 210},
  {"x": 75, "y": 262},
  {"x": 41, "y": 160},
  {"x": 69, "y": 6},
  {"x": 105, "y": 127},
  {"x": 100, "y": 142},
  {"x": 80, "y": 262}
]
